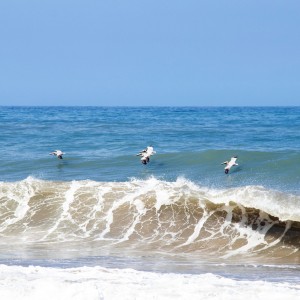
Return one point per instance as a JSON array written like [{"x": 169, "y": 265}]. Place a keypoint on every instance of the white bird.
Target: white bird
[
  {"x": 57, "y": 153},
  {"x": 145, "y": 154},
  {"x": 230, "y": 164}
]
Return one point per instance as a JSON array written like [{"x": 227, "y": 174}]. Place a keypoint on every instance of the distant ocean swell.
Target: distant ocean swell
[{"x": 152, "y": 216}]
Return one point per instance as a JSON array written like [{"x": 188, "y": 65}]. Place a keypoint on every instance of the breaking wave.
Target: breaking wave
[{"x": 151, "y": 216}]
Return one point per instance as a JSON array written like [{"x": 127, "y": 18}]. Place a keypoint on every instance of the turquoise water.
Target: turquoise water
[{"x": 191, "y": 142}]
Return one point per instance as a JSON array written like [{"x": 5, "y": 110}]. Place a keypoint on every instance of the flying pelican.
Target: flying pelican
[
  {"x": 145, "y": 154},
  {"x": 57, "y": 153},
  {"x": 230, "y": 164}
]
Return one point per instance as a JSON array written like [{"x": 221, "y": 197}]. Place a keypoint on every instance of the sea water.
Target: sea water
[{"x": 98, "y": 224}]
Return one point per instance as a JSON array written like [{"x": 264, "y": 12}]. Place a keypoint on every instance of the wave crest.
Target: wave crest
[{"x": 151, "y": 215}]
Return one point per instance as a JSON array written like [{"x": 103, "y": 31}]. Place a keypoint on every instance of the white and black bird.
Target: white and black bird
[
  {"x": 145, "y": 154},
  {"x": 58, "y": 153},
  {"x": 230, "y": 164}
]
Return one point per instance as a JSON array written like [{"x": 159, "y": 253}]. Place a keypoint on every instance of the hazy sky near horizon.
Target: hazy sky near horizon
[{"x": 135, "y": 52}]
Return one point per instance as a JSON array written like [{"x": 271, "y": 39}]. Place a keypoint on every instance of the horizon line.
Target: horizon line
[{"x": 156, "y": 106}]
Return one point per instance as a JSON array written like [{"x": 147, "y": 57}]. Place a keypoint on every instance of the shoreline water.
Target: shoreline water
[{"x": 102, "y": 283}]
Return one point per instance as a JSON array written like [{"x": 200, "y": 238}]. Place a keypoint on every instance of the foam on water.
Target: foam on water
[{"x": 96, "y": 283}]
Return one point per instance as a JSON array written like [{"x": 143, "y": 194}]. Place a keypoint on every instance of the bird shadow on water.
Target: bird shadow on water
[
  {"x": 233, "y": 178},
  {"x": 61, "y": 164}
]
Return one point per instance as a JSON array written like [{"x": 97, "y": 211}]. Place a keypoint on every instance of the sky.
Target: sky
[{"x": 150, "y": 53}]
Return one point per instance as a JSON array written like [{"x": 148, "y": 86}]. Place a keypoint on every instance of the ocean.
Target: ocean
[{"x": 99, "y": 224}]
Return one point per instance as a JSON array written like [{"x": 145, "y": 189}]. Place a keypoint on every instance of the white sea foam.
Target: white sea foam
[{"x": 94, "y": 283}]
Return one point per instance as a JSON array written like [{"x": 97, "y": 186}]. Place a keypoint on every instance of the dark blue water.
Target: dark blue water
[{"x": 101, "y": 144}]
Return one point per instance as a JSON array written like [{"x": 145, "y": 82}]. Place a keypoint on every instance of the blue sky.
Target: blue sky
[{"x": 199, "y": 53}]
